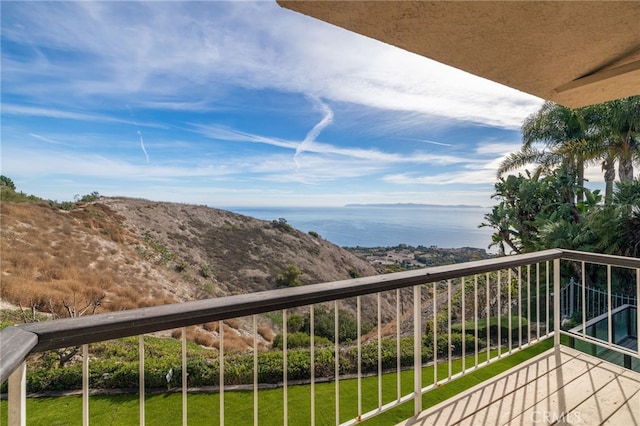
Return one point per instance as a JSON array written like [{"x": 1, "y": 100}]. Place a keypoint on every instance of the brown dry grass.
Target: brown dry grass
[
  {"x": 266, "y": 332},
  {"x": 233, "y": 341},
  {"x": 52, "y": 257}
]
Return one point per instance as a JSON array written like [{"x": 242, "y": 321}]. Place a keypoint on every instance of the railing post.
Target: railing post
[
  {"x": 85, "y": 385},
  {"x": 417, "y": 350},
  {"x": 17, "y": 415},
  {"x": 556, "y": 302}
]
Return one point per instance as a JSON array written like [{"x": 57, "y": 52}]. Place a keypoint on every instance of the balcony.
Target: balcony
[{"x": 473, "y": 315}]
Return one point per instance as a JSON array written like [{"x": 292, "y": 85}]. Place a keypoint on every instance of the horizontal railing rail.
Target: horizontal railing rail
[{"x": 520, "y": 293}]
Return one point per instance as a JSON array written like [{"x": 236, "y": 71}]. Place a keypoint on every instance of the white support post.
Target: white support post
[
  {"x": 184, "y": 376},
  {"x": 312, "y": 331},
  {"x": 417, "y": 350},
  {"x": 379, "y": 327},
  {"x": 141, "y": 390},
  {"x": 449, "y": 344},
  {"x": 85, "y": 385},
  {"x": 556, "y": 303},
  {"x": 285, "y": 369},
  {"x": 221, "y": 361},
  {"x": 336, "y": 357},
  {"x": 17, "y": 415},
  {"x": 255, "y": 367},
  {"x": 359, "y": 349},
  {"x": 398, "y": 348}
]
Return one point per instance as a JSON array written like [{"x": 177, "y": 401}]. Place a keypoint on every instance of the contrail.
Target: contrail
[
  {"x": 428, "y": 141},
  {"x": 139, "y": 134},
  {"x": 313, "y": 133},
  {"x": 142, "y": 146}
]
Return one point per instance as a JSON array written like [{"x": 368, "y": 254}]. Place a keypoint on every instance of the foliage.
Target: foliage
[
  {"x": 290, "y": 277},
  {"x": 299, "y": 340},
  {"x": 7, "y": 182},
  {"x": 282, "y": 225},
  {"x": 528, "y": 203},
  {"x": 8, "y": 194},
  {"x": 205, "y": 270},
  {"x": 157, "y": 251},
  {"x": 88, "y": 198},
  {"x": 353, "y": 273},
  {"x": 114, "y": 364},
  {"x": 314, "y": 234},
  {"x": 324, "y": 324}
]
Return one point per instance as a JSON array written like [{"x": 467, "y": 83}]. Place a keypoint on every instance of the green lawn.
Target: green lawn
[{"x": 203, "y": 409}]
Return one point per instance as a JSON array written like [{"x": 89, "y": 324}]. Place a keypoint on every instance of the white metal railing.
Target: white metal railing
[
  {"x": 500, "y": 305},
  {"x": 595, "y": 300}
]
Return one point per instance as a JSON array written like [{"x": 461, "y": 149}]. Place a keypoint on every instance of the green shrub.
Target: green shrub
[
  {"x": 290, "y": 277},
  {"x": 282, "y": 225},
  {"x": 299, "y": 340},
  {"x": 205, "y": 270},
  {"x": 7, "y": 182}
]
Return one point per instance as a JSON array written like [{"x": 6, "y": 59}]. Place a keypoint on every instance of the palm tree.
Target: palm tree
[
  {"x": 562, "y": 130},
  {"x": 619, "y": 126},
  {"x": 607, "y": 132}
]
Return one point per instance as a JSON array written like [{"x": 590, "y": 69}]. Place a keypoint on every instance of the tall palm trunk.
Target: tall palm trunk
[
  {"x": 608, "y": 165},
  {"x": 580, "y": 171},
  {"x": 625, "y": 170},
  {"x": 625, "y": 165}
]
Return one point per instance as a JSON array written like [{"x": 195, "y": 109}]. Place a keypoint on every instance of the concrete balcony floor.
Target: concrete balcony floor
[{"x": 559, "y": 386}]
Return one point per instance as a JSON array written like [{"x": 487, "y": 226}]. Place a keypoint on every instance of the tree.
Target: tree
[
  {"x": 606, "y": 133},
  {"x": 560, "y": 129},
  {"x": 5, "y": 181},
  {"x": 528, "y": 207},
  {"x": 617, "y": 126}
]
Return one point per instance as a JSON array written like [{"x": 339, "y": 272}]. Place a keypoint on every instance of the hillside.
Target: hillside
[
  {"x": 117, "y": 253},
  {"x": 141, "y": 253}
]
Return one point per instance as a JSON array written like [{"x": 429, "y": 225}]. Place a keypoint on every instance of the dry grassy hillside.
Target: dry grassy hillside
[{"x": 119, "y": 253}]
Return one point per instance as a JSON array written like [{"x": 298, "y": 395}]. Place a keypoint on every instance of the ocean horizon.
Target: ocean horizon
[{"x": 385, "y": 225}]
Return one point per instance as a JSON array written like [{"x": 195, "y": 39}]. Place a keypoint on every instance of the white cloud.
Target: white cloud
[
  {"x": 187, "y": 51},
  {"x": 228, "y": 134}
]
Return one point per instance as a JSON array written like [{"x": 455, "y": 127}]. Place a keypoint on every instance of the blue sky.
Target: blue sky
[{"x": 240, "y": 104}]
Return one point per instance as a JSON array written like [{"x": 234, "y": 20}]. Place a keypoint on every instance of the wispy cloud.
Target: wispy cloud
[
  {"x": 23, "y": 110},
  {"x": 224, "y": 133},
  {"x": 429, "y": 141},
  {"x": 47, "y": 140},
  {"x": 315, "y": 131},
  {"x": 144, "y": 150},
  {"x": 300, "y": 55}
]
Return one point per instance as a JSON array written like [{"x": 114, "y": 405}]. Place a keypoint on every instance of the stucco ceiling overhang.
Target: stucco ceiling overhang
[{"x": 574, "y": 53}]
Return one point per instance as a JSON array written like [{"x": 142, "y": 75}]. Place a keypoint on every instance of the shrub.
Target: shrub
[
  {"x": 299, "y": 340},
  {"x": 295, "y": 323},
  {"x": 282, "y": 225},
  {"x": 205, "y": 270},
  {"x": 87, "y": 198},
  {"x": 5, "y": 181},
  {"x": 290, "y": 277}
]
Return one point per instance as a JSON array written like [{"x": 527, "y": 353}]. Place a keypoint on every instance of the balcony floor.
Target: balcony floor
[{"x": 559, "y": 386}]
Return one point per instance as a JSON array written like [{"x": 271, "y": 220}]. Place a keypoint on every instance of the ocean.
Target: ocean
[{"x": 389, "y": 225}]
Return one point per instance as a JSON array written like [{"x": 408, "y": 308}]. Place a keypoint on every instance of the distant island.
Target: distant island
[{"x": 413, "y": 205}]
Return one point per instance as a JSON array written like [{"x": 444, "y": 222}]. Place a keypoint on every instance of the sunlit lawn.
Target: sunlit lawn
[{"x": 204, "y": 409}]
